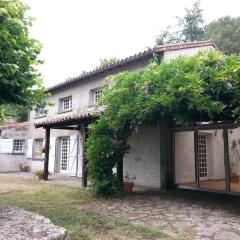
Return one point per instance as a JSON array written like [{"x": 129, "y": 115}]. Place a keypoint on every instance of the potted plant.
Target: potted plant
[
  {"x": 234, "y": 162},
  {"x": 24, "y": 167},
  {"x": 39, "y": 174},
  {"x": 128, "y": 183}
]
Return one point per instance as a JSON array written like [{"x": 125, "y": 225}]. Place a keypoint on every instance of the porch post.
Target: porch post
[
  {"x": 84, "y": 160},
  {"x": 47, "y": 146},
  {"x": 197, "y": 177},
  {"x": 226, "y": 159},
  {"x": 166, "y": 157}
]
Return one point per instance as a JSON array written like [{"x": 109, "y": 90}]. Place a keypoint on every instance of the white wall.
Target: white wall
[
  {"x": 143, "y": 160},
  {"x": 169, "y": 55}
]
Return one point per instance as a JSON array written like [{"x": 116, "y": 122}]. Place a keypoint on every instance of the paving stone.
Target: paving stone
[
  {"x": 174, "y": 216},
  {"x": 19, "y": 224},
  {"x": 224, "y": 235}
]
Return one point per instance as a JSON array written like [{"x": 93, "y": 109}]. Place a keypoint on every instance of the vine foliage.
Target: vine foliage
[{"x": 184, "y": 91}]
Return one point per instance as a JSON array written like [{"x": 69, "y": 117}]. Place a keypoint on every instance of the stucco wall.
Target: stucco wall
[
  {"x": 9, "y": 161},
  {"x": 169, "y": 55},
  {"x": 184, "y": 157},
  {"x": 143, "y": 161}
]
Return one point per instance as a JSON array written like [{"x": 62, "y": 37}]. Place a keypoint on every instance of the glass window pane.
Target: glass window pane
[
  {"x": 234, "y": 159},
  {"x": 211, "y": 159}
]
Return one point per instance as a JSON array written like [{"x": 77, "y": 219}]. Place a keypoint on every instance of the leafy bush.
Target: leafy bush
[{"x": 185, "y": 91}]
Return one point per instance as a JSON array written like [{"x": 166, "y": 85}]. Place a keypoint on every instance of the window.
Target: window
[
  {"x": 18, "y": 145},
  {"x": 202, "y": 156},
  {"x": 38, "y": 148},
  {"x": 41, "y": 112},
  {"x": 97, "y": 94},
  {"x": 65, "y": 145},
  {"x": 65, "y": 104}
]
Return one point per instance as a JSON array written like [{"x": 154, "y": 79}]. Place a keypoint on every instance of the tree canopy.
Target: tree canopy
[
  {"x": 190, "y": 27},
  {"x": 226, "y": 34},
  {"x": 185, "y": 91},
  {"x": 20, "y": 81},
  {"x": 225, "y": 31}
]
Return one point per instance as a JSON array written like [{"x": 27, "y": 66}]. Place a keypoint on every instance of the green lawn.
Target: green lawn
[{"x": 62, "y": 205}]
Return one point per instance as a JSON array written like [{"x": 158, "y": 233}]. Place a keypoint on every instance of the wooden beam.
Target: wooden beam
[
  {"x": 196, "y": 158},
  {"x": 226, "y": 159},
  {"x": 207, "y": 127},
  {"x": 47, "y": 146},
  {"x": 166, "y": 157},
  {"x": 66, "y": 128},
  {"x": 85, "y": 160}
]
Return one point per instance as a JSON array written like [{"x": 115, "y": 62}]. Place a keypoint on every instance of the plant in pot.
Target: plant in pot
[
  {"x": 234, "y": 162},
  {"x": 39, "y": 174},
  {"x": 24, "y": 167},
  {"x": 128, "y": 183}
]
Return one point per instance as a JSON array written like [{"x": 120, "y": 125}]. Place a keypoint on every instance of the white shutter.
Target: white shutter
[
  {"x": 73, "y": 155},
  {"x": 52, "y": 154},
  {"x": 29, "y": 148},
  {"x": 6, "y": 145},
  {"x": 80, "y": 155}
]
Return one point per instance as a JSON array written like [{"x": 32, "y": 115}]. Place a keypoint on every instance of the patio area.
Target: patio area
[{"x": 180, "y": 214}]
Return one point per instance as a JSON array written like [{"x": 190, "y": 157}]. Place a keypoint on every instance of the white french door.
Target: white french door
[
  {"x": 202, "y": 157},
  {"x": 65, "y": 148}
]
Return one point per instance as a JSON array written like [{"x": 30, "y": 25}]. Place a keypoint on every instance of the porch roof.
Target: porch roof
[{"x": 68, "y": 120}]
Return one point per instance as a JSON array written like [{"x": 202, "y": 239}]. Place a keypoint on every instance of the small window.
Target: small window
[
  {"x": 38, "y": 148},
  {"x": 66, "y": 104},
  {"x": 41, "y": 112},
  {"x": 97, "y": 94},
  {"x": 18, "y": 145}
]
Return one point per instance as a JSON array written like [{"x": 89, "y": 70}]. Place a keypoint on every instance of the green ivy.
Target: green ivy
[{"x": 184, "y": 91}]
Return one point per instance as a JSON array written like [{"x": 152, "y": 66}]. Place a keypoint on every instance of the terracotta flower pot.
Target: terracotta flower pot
[
  {"x": 40, "y": 177},
  {"x": 234, "y": 179},
  {"x": 128, "y": 186}
]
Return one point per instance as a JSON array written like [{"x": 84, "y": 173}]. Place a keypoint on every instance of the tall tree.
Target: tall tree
[
  {"x": 190, "y": 27},
  {"x": 20, "y": 82},
  {"x": 226, "y": 34}
]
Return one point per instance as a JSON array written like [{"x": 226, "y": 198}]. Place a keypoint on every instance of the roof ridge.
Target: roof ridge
[{"x": 159, "y": 48}]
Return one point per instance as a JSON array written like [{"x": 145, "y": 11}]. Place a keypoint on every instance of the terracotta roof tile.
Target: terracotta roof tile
[{"x": 69, "y": 118}]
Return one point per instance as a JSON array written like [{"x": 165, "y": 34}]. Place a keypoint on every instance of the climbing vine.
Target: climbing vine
[{"x": 184, "y": 91}]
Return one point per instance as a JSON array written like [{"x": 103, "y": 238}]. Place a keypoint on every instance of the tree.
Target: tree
[
  {"x": 190, "y": 27},
  {"x": 185, "y": 91},
  {"x": 18, "y": 112},
  {"x": 226, "y": 34},
  {"x": 20, "y": 81}
]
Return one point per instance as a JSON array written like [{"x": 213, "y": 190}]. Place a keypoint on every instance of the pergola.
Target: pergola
[{"x": 78, "y": 121}]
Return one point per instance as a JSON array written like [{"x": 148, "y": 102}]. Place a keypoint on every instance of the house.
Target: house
[
  {"x": 64, "y": 126},
  {"x": 204, "y": 157},
  {"x": 13, "y": 146}
]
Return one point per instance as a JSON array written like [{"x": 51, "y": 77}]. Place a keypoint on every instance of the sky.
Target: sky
[{"x": 76, "y": 33}]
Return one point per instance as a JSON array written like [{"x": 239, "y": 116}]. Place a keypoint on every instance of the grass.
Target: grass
[{"x": 62, "y": 205}]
